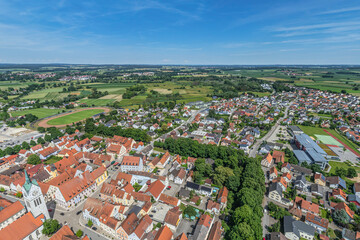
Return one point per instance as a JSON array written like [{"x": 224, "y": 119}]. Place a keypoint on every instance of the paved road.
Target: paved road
[{"x": 257, "y": 144}]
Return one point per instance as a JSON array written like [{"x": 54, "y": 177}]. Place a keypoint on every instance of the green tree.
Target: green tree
[
  {"x": 47, "y": 138},
  {"x": 25, "y": 145},
  {"x": 341, "y": 217},
  {"x": 90, "y": 223},
  {"x": 275, "y": 227},
  {"x": 79, "y": 233},
  {"x": 33, "y": 159},
  {"x": 222, "y": 174},
  {"x": 353, "y": 207},
  {"x": 40, "y": 140},
  {"x": 351, "y": 173},
  {"x": 190, "y": 211},
  {"x": 50, "y": 227},
  {"x": 341, "y": 172},
  {"x": 32, "y": 143}
]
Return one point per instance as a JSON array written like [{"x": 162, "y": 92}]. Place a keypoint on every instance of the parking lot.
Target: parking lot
[
  {"x": 10, "y": 137},
  {"x": 185, "y": 226}
]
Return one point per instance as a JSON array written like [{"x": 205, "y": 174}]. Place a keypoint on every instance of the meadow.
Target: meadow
[
  {"x": 39, "y": 112},
  {"x": 74, "y": 117}
]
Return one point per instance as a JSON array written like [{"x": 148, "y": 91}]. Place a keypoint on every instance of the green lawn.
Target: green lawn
[
  {"x": 39, "y": 112},
  {"x": 52, "y": 159},
  {"x": 311, "y": 131},
  {"x": 335, "y": 164},
  {"x": 74, "y": 117}
]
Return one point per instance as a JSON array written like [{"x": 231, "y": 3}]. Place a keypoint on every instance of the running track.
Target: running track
[{"x": 346, "y": 146}]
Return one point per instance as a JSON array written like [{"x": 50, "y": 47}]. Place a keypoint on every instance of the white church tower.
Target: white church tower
[{"x": 34, "y": 199}]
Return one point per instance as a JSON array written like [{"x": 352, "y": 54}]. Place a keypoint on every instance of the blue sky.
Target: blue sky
[{"x": 180, "y": 32}]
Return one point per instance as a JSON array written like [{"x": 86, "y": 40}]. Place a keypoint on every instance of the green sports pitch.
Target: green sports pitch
[{"x": 326, "y": 139}]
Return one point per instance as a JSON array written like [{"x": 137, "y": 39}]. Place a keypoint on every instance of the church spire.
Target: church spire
[{"x": 27, "y": 179}]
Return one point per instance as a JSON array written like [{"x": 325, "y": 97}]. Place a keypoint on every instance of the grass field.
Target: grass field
[
  {"x": 261, "y": 94},
  {"x": 39, "y": 112},
  {"x": 344, "y": 165},
  {"x": 96, "y": 102},
  {"x": 74, "y": 117}
]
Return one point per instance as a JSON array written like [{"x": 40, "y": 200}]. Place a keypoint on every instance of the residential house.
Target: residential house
[
  {"x": 320, "y": 224},
  {"x": 213, "y": 207},
  {"x": 306, "y": 206},
  {"x": 336, "y": 182},
  {"x": 203, "y": 227},
  {"x": 273, "y": 173},
  {"x": 177, "y": 175},
  {"x": 164, "y": 233},
  {"x": 295, "y": 230},
  {"x": 155, "y": 189},
  {"x": 286, "y": 168},
  {"x": 216, "y": 231},
  {"x": 222, "y": 197},
  {"x": 278, "y": 156},
  {"x": 103, "y": 214},
  {"x": 127, "y": 227},
  {"x": 300, "y": 182},
  {"x": 320, "y": 179},
  {"x": 145, "y": 225},
  {"x": 356, "y": 189},
  {"x": 275, "y": 192},
  {"x": 339, "y": 194},
  {"x": 267, "y": 161},
  {"x": 173, "y": 218},
  {"x": 131, "y": 163},
  {"x": 342, "y": 205}
]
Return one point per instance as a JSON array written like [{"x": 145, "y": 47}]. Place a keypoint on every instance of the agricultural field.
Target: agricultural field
[
  {"x": 39, "y": 112},
  {"x": 46, "y": 94},
  {"x": 331, "y": 79},
  {"x": 14, "y": 84},
  {"x": 96, "y": 102},
  {"x": 74, "y": 117},
  {"x": 111, "y": 88}
]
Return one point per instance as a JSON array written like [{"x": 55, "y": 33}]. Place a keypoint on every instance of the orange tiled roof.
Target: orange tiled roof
[
  {"x": 156, "y": 188},
  {"x": 164, "y": 233},
  {"x": 63, "y": 232},
  {"x": 169, "y": 199},
  {"x": 22, "y": 227},
  {"x": 10, "y": 209}
]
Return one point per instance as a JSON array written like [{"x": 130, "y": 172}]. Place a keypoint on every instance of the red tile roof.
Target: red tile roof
[
  {"x": 156, "y": 188},
  {"x": 22, "y": 227},
  {"x": 164, "y": 233}
]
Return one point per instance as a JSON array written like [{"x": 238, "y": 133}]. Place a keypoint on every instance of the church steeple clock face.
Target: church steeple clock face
[{"x": 35, "y": 193}]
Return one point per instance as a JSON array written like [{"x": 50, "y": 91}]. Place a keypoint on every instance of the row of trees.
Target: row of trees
[{"x": 243, "y": 177}]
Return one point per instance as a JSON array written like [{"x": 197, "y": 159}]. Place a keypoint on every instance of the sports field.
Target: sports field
[
  {"x": 74, "y": 117},
  {"x": 326, "y": 139}
]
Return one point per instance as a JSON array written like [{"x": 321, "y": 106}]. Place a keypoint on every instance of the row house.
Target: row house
[
  {"x": 74, "y": 191},
  {"x": 103, "y": 214},
  {"x": 110, "y": 192}
]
